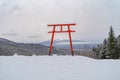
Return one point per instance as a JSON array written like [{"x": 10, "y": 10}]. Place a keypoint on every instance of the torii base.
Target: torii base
[
  {"x": 50, "y": 54},
  {"x": 72, "y": 53}
]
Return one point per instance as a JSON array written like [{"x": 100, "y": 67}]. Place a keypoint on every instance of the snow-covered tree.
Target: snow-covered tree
[
  {"x": 118, "y": 45},
  {"x": 112, "y": 45},
  {"x": 103, "y": 51}
]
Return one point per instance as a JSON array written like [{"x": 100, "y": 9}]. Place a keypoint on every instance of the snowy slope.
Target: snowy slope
[{"x": 58, "y": 68}]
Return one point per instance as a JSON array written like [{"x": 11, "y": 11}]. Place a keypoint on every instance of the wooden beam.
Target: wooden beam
[
  {"x": 61, "y": 31},
  {"x": 72, "y": 24}
]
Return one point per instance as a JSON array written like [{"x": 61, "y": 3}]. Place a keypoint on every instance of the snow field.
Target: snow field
[{"x": 58, "y": 68}]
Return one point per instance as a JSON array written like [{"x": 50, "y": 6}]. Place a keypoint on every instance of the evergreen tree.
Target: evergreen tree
[
  {"x": 103, "y": 50},
  {"x": 112, "y": 45},
  {"x": 96, "y": 50},
  {"x": 118, "y": 45}
]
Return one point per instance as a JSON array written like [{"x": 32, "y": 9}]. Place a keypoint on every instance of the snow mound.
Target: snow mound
[{"x": 58, "y": 68}]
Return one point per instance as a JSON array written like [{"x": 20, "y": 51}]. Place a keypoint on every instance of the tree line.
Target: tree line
[{"x": 110, "y": 48}]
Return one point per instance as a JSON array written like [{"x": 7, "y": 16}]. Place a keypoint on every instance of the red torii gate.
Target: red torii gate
[{"x": 61, "y": 31}]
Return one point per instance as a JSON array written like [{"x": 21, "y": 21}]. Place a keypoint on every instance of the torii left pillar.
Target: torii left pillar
[{"x": 61, "y": 31}]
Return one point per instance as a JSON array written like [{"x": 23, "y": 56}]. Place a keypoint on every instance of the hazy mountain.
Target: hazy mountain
[
  {"x": 47, "y": 43},
  {"x": 2, "y": 40},
  {"x": 77, "y": 44},
  {"x": 9, "y": 48}
]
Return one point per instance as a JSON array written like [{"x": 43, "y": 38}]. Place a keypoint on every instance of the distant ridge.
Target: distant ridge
[
  {"x": 78, "y": 45},
  {"x": 10, "y": 48},
  {"x": 58, "y": 41}
]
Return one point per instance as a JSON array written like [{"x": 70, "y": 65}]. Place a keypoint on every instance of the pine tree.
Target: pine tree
[
  {"x": 112, "y": 45},
  {"x": 103, "y": 50},
  {"x": 96, "y": 50},
  {"x": 110, "y": 49},
  {"x": 118, "y": 45}
]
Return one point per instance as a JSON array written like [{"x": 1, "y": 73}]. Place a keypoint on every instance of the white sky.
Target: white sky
[{"x": 26, "y": 20}]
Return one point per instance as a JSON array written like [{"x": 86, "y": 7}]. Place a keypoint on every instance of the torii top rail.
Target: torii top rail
[{"x": 61, "y": 31}]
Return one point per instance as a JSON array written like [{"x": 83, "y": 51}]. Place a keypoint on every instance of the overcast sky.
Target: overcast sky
[{"x": 26, "y": 20}]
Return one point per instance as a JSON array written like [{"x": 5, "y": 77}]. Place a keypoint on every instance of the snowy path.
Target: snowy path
[{"x": 58, "y": 68}]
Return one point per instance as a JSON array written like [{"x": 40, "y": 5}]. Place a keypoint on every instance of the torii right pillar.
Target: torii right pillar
[{"x": 61, "y": 31}]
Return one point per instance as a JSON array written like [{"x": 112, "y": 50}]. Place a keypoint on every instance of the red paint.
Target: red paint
[
  {"x": 61, "y": 31},
  {"x": 72, "y": 24}
]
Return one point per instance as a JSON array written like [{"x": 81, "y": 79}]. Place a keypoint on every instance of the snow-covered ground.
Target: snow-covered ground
[{"x": 58, "y": 68}]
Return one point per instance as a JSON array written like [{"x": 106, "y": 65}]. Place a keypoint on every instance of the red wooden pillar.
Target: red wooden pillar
[
  {"x": 70, "y": 38},
  {"x": 50, "y": 49}
]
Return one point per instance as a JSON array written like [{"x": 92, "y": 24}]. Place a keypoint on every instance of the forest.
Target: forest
[{"x": 110, "y": 48}]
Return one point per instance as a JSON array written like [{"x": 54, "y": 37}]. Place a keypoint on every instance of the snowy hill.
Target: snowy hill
[
  {"x": 58, "y": 68},
  {"x": 9, "y": 48},
  {"x": 2, "y": 40}
]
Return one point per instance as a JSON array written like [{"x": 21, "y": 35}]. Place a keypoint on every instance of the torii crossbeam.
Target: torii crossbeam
[{"x": 61, "y": 31}]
